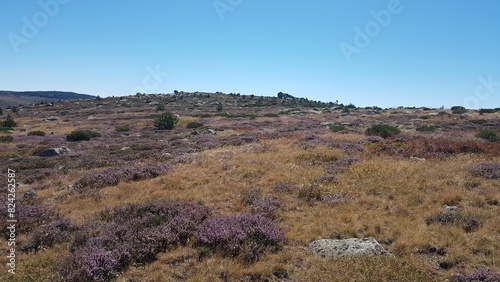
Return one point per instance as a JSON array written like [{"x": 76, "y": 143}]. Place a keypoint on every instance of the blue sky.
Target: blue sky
[{"x": 380, "y": 52}]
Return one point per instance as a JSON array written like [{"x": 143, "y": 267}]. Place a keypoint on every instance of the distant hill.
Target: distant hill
[{"x": 16, "y": 98}]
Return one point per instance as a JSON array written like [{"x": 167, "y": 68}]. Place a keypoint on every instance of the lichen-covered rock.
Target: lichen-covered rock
[
  {"x": 52, "y": 152},
  {"x": 329, "y": 248}
]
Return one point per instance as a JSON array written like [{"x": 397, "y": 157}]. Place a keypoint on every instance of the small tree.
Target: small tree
[
  {"x": 458, "y": 110},
  {"x": 166, "y": 121},
  {"x": 219, "y": 107},
  {"x": 1, "y": 112},
  {"x": 382, "y": 130},
  {"x": 9, "y": 122}
]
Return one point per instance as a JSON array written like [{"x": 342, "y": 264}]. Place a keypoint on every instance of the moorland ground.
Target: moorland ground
[{"x": 298, "y": 170}]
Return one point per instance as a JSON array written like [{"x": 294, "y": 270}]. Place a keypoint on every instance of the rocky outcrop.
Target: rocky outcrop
[
  {"x": 53, "y": 152},
  {"x": 328, "y": 248}
]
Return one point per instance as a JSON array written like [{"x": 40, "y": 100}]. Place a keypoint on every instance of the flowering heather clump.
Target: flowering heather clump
[
  {"x": 38, "y": 174},
  {"x": 468, "y": 223},
  {"x": 478, "y": 275},
  {"x": 249, "y": 196},
  {"x": 135, "y": 234},
  {"x": 47, "y": 235},
  {"x": 112, "y": 177},
  {"x": 486, "y": 170},
  {"x": 285, "y": 188},
  {"x": 335, "y": 199},
  {"x": 265, "y": 206},
  {"x": 246, "y": 233},
  {"x": 29, "y": 217}
]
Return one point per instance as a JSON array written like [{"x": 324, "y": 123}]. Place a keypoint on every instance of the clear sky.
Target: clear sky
[{"x": 379, "y": 52}]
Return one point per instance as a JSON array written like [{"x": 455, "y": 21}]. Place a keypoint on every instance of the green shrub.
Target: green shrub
[
  {"x": 271, "y": 115},
  {"x": 382, "y": 130},
  {"x": 426, "y": 128},
  {"x": 478, "y": 121},
  {"x": 194, "y": 124},
  {"x": 458, "y": 110},
  {"x": 337, "y": 128},
  {"x": 166, "y": 121},
  {"x": 1, "y": 111},
  {"x": 8, "y": 122},
  {"x": 160, "y": 107},
  {"x": 489, "y": 135},
  {"x": 36, "y": 133},
  {"x": 219, "y": 108},
  {"x": 7, "y": 138},
  {"x": 122, "y": 128},
  {"x": 4, "y": 129},
  {"x": 82, "y": 135}
]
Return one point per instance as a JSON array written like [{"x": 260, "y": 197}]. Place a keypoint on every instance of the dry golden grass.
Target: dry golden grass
[{"x": 392, "y": 198}]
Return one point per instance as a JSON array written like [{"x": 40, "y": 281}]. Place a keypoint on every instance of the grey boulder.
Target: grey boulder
[
  {"x": 52, "y": 152},
  {"x": 328, "y": 248}
]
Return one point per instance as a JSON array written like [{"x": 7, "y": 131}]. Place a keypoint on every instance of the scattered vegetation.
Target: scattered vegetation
[
  {"x": 426, "y": 128},
  {"x": 122, "y": 128},
  {"x": 382, "y": 130},
  {"x": 338, "y": 128},
  {"x": 194, "y": 124},
  {"x": 36, "y": 133},
  {"x": 82, "y": 135},
  {"x": 458, "y": 110},
  {"x": 489, "y": 135},
  {"x": 233, "y": 235},
  {"x": 166, "y": 121},
  {"x": 8, "y": 122},
  {"x": 5, "y": 139}
]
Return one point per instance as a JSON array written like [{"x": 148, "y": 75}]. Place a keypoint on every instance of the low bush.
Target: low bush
[
  {"x": 245, "y": 234},
  {"x": 36, "y": 133},
  {"x": 5, "y": 129},
  {"x": 122, "y": 128},
  {"x": 82, "y": 135},
  {"x": 382, "y": 130},
  {"x": 467, "y": 222},
  {"x": 458, "y": 110},
  {"x": 5, "y": 139},
  {"x": 114, "y": 176},
  {"x": 486, "y": 170},
  {"x": 337, "y": 128},
  {"x": 48, "y": 235},
  {"x": 489, "y": 135},
  {"x": 426, "y": 128},
  {"x": 194, "y": 124},
  {"x": 8, "y": 122},
  {"x": 481, "y": 274}
]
